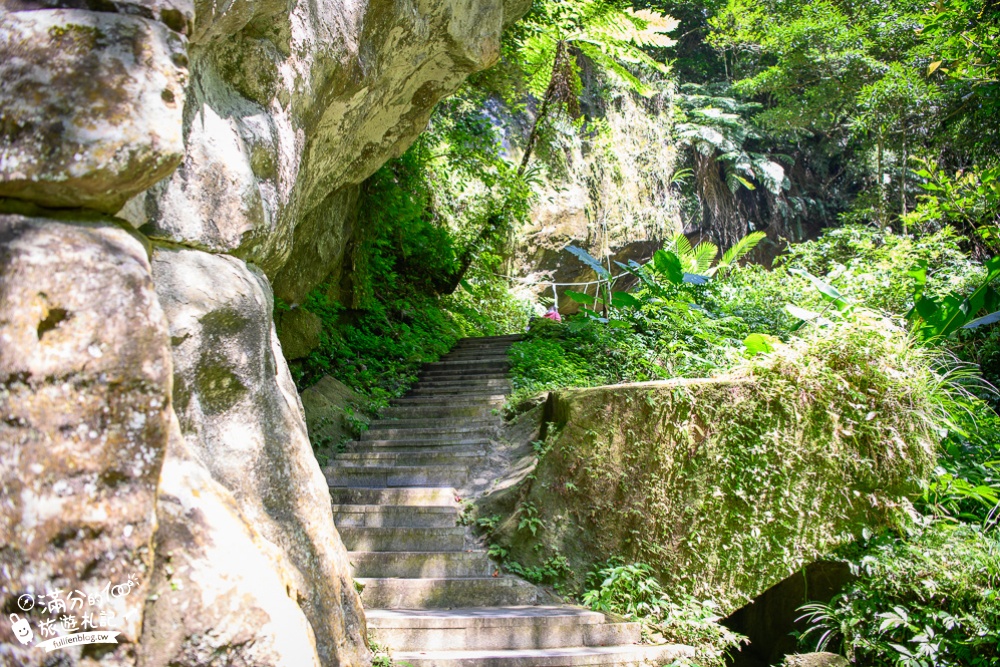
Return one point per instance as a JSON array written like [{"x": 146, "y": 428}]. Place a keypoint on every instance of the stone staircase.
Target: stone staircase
[{"x": 431, "y": 593}]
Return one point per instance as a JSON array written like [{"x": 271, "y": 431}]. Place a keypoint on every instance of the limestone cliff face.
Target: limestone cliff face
[
  {"x": 290, "y": 108},
  {"x": 148, "y": 423},
  {"x": 608, "y": 191}
]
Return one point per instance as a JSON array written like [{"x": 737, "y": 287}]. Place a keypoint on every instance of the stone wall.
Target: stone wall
[
  {"x": 724, "y": 486},
  {"x": 162, "y": 163}
]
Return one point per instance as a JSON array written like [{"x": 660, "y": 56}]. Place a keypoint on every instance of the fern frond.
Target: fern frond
[
  {"x": 740, "y": 249},
  {"x": 704, "y": 255},
  {"x": 652, "y": 28}
]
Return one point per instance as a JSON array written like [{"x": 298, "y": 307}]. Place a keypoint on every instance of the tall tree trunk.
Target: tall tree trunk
[
  {"x": 902, "y": 177},
  {"x": 561, "y": 54},
  {"x": 881, "y": 184}
]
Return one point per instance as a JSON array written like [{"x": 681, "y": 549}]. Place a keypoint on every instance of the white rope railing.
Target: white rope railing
[{"x": 554, "y": 285}]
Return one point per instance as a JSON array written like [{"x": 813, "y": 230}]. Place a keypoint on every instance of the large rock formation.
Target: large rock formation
[
  {"x": 289, "y": 110},
  {"x": 241, "y": 418},
  {"x": 84, "y": 421},
  {"x": 726, "y": 486},
  {"x": 616, "y": 204},
  {"x": 91, "y": 106},
  {"x": 274, "y": 112}
]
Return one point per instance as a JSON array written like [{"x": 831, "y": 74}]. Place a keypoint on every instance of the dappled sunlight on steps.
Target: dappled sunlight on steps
[{"x": 431, "y": 593}]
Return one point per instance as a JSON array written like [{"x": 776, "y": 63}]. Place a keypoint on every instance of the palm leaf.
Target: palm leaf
[
  {"x": 589, "y": 260},
  {"x": 682, "y": 248}
]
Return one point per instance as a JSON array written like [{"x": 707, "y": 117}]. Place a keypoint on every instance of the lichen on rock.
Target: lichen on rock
[
  {"x": 726, "y": 486},
  {"x": 91, "y": 105},
  {"x": 241, "y": 420}
]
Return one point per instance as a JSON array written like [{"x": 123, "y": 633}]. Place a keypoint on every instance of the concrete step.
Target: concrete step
[
  {"x": 444, "y": 442},
  {"x": 468, "y": 365},
  {"x": 434, "y": 422},
  {"x": 478, "y": 385},
  {"x": 446, "y": 593},
  {"x": 497, "y": 628},
  {"x": 481, "y": 431},
  {"x": 347, "y": 474},
  {"x": 463, "y": 455},
  {"x": 421, "y": 564},
  {"x": 462, "y": 375},
  {"x": 459, "y": 389},
  {"x": 477, "y": 355},
  {"x": 419, "y": 497},
  {"x": 474, "y": 400},
  {"x": 476, "y": 410},
  {"x": 395, "y": 516},
  {"x": 628, "y": 655},
  {"x": 479, "y": 340},
  {"x": 402, "y": 538}
]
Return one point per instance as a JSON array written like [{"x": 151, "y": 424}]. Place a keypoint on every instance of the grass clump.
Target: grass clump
[{"x": 633, "y": 592}]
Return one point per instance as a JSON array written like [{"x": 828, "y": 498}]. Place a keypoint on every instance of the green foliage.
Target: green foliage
[
  {"x": 378, "y": 350},
  {"x": 862, "y": 88},
  {"x": 612, "y": 36},
  {"x": 940, "y": 317},
  {"x": 580, "y": 353},
  {"x": 550, "y": 571},
  {"x": 716, "y": 126},
  {"x": 529, "y": 519},
  {"x": 929, "y": 599},
  {"x": 633, "y": 591},
  {"x": 872, "y": 267},
  {"x": 968, "y": 200},
  {"x": 415, "y": 221}
]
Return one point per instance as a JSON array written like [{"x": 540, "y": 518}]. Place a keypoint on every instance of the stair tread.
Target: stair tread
[
  {"x": 569, "y": 652},
  {"x": 458, "y": 617},
  {"x": 419, "y": 436}
]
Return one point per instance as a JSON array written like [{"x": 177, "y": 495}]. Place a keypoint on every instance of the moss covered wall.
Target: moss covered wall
[{"x": 725, "y": 486}]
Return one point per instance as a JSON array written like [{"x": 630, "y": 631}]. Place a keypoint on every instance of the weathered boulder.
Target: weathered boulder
[
  {"x": 175, "y": 14},
  {"x": 290, "y": 106},
  {"x": 241, "y": 418},
  {"x": 299, "y": 333},
  {"x": 91, "y": 106},
  {"x": 328, "y": 405},
  {"x": 85, "y": 377},
  {"x": 220, "y": 591}
]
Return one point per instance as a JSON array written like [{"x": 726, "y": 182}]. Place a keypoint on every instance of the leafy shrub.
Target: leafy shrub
[
  {"x": 579, "y": 353},
  {"x": 932, "y": 598},
  {"x": 871, "y": 266},
  {"x": 633, "y": 591}
]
